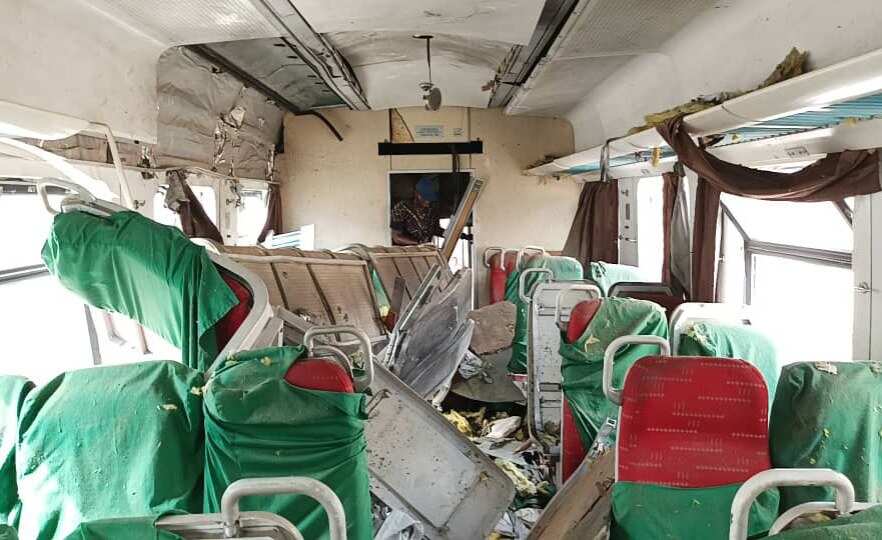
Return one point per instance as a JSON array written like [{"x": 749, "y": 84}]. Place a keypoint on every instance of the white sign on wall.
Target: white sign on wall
[{"x": 429, "y": 132}]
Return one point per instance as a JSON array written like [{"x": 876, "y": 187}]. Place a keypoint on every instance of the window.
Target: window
[
  {"x": 204, "y": 194},
  {"x": 44, "y": 325},
  {"x": 792, "y": 262},
  {"x": 650, "y": 233},
  {"x": 811, "y": 225},
  {"x": 251, "y": 216}
]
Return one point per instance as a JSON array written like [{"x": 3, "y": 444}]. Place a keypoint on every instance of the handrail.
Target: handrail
[
  {"x": 363, "y": 339},
  {"x": 772, "y": 478},
  {"x": 294, "y": 485},
  {"x": 584, "y": 287},
  {"x": 615, "y": 394},
  {"x": 522, "y": 282},
  {"x": 488, "y": 254},
  {"x": 524, "y": 250}
]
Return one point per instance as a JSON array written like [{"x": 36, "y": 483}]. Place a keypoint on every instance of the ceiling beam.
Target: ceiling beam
[{"x": 315, "y": 51}]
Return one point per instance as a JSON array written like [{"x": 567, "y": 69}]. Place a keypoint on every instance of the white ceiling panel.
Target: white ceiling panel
[
  {"x": 396, "y": 84},
  {"x": 391, "y": 65},
  {"x": 187, "y": 22},
  {"x": 628, "y": 26},
  {"x": 573, "y": 79},
  {"x": 604, "y": 35},
  {"x": 510, "y": 21}
]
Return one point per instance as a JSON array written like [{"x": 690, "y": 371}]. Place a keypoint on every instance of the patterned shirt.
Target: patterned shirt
[{"x": 417, "y": 222}]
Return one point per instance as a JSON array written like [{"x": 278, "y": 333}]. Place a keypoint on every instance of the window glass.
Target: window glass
[
  {"x": 812, "y": 225},
  {"x": 650, "y": 235},
  {"x": 805, "y": 308},
  {"x": 44, "y": 328},
  {"x": 24, "y": 223},
  {"x": 251, "y": 216}
]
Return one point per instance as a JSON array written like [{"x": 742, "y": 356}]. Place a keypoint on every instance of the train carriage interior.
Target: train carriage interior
[{"x": 425, "y": 270}]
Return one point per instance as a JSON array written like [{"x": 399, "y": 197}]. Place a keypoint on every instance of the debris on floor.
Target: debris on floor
[
  {"x": 392, "y": 524},
  {"x": 493, "y": 384},
  {"x": 494, "y": 327}
]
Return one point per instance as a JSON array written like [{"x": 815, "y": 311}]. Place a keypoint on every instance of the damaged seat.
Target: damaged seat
[
  {"x": 593, "y": 325},
  {"x": 605, "y": 275},
  {"x": 829, "y": 415},
  {"x": 275, "y": 410},
  {"x": 658, "y": 293},
  {"x": 724, "y": 331},
  {"x": 502, "y": 263},
  {"x": 691, "y": 431},
  {"x": 13, "y": 391},
  {"x": 519, "y": 290},
  {"x": 108, "y": 442}
]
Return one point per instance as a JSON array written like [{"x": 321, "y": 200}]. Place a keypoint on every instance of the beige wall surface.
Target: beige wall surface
[{"x": 343, "y": 187}]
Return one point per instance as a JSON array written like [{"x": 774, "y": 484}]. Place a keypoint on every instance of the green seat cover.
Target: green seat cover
[
  {"x": 149, "y": 272},
  {"x": 383, "y": 302},
  {"x": 8, "y": 533},
  {"x": 829, "y": 415},
  {"x": 140, "y": 528},
  {"x": 563, "y": 269},
  {"x": 866, "y": 525},
  {"x": 258, "y": 425},
  {"x": 733, "y": 341},
  {"x": 650, "y": 512},
  {"x": 13, "y": 390},
  {"x": 607, "y": 274},
  {"x": 582, "y": 361},
  {"x": 109, "y": 442}
]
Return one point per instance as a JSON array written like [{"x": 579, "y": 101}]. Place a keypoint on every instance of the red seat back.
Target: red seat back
[
  {"x": 572, "y": 450},
  {"x": 320, "y": 374},
  {"x": 227, "y": 326},
  {"x": 580, "y": 316},
  {"x": 692, "y": 422},
  {"x": 498, "y": 275}
]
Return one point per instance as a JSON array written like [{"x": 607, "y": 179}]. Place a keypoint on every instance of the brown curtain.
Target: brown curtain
[
  {"x": 704, "y": 242},
  {"x": 595, "y": 230},
  {"x": 180, "y": 199},
  {"x": 832, "y": 178},
  {"x": 273, "y": 213},
  {"x": 670, "y": 188}
]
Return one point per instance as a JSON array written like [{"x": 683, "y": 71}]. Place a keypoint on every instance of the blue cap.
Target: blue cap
[{"x": 427, "y": 187}]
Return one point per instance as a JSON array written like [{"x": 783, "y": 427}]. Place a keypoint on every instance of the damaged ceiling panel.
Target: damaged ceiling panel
[
  {"x": 179, "y": 22},
  {"x": 601, "y": 36},
  {"x": 391, "y": 65},
  {"x": 208, "y": 118},
  {"x": 277, "y": 66}
]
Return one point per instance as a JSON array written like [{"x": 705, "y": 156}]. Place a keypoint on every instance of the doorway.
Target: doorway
[{"x": 452, "y": 187}]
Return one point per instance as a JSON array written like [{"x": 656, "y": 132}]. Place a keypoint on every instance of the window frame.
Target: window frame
[{"x": 753, "y": 247}]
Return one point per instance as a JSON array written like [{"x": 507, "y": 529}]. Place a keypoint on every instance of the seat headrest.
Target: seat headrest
[
  {"x": 320, "y": 374},
  {"x": 580, "y": 317}
]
